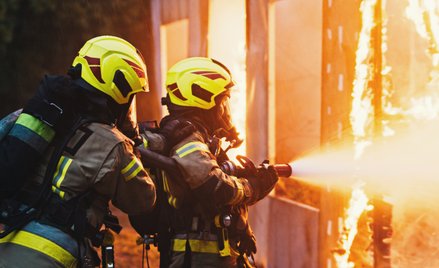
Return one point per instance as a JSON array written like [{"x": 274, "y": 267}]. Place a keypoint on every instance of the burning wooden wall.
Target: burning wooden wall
[{"x": 341, "y": 26}]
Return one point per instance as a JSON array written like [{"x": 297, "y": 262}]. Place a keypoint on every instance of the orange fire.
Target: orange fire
[
  {"x": 238, "y": 101},
  {"x": 362, "y": 106},
  {"x": 425, "y": 16},
  {"x": 357, "y": 205},
  {"x": 232, "y": 54},
  {"x": 361, "y": 117}
]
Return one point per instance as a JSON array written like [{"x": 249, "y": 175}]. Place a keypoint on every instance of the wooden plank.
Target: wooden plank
[
  {"x": 148, "y": 105},
  {"x": 340, "y": 37},
  {"x": 257, "y": 79}
]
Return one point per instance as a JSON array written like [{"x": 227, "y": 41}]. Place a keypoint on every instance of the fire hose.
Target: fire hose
[
  {"x": 152, "y": 159},
  {"x": 248, "y": 168}
]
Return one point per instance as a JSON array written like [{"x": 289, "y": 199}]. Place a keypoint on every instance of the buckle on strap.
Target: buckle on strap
[
  {"x": 223, "y": 242},
  {"x": 53, "y": 115}
]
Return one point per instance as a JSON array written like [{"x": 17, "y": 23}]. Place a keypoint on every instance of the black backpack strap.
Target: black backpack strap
[
  {"x": 164, "y": 224},
  {"x": 22, "y": 215}
]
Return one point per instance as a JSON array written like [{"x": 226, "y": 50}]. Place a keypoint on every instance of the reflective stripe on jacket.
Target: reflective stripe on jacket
[
  {"x": 98, "y": 158},
  {"x": 198, "y": 166},
  {"x": 23, "y": 141},
  {"x": 33, "y": 132},
  {"x": 101, "y": 158},
  {"x": 46, "y": 245}
]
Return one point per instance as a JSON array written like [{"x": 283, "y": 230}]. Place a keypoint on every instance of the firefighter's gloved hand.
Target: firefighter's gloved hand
[
  {"x": 130, "y": 129},
  {"x": 246, "y": 248},
  {"x": 52, "y": 102},
  {"x": 174, "y": 132},
  {"x": 248, "y": 242},
  {"x": 263, "y": 182}
]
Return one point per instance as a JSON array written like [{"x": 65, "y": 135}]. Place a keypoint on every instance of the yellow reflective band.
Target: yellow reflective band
[
  {"x": 165, "y": 183},
  {"x": 58, "y": 167},
  {"x": 203, "y": 246},
  {"x": 239, "y": 195},
  {"x": 36, "y": 126},
  {"x": 145, "y": 142},
  {"x": 130, "y": 165},
  {"x": 172, "y": 201},
  {"x": 134, "y": 173},
  {"x": 58, "y": 191},
  {"x": 226, "y": 250},
  {"x": 42, "y": 245},
  {"x": 63, "y": 166},
  {"x": 191, "y": 147}
]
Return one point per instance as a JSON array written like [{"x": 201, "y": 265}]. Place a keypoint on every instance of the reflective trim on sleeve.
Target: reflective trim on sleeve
[
  {"x": 165, "y": 182},
  {"x": 29, "y": 137},
  {"x": 58, "y": 192},
  {"x": 203, "y": 246},
  {"x": 125, "y": 169},
  {"x": 61, "y": 170},
  {"x": 60, "y": 173},
  {"x": 37, "y": 126},
  {"x": 191, "y": 147},
  {"x": 239, "y": 194},
  {"x": 41, "y": 244},
  {"x": 172, "y": 200},
  {"x": 144, "y": 142},
  {"x": 134, "y": 173},
  {"x": 132, "y": 169}
]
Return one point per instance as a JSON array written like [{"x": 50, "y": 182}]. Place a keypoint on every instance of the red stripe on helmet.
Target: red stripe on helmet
[
  {"x": 95, "y": 67},
  {"x": 139, "y": 70},
  {"x": 96, "y": 70},
  {"x": 210, "y": 75},
  {"x": 92, "y": 61}
]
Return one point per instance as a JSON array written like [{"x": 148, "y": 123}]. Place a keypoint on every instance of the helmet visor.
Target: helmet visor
[
  {"x": 127, "y": 123},
  {"x": 225, "y": 114}
]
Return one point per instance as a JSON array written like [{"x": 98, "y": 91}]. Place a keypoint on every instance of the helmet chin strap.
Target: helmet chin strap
[
  {"x": 231, "y": 135},
  {"x": 122, "y": 112}
]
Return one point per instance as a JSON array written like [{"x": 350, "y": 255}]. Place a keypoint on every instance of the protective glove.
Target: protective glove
[
  {"x": 246, "y": 248},
  {"x": 130, "y": 129},
  {"x": 52, "y": 102},
  {"x": 174, "y": 132},
  {"x": 262, "y": 182},
  {"x": 247, "y": 243}
]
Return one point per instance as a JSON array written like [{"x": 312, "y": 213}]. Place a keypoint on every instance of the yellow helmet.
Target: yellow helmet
[
  {"x": 113, "y": 66},
  {"x": 197, "y": 81}
]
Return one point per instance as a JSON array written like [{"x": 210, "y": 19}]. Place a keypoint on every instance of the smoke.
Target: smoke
[{"x": 404, "y": 168}]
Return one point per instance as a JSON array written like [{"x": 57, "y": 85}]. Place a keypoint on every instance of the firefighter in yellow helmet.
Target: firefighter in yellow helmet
[
  {"x": 208, "y": 218},
  {"x": 62, "y": 211}
]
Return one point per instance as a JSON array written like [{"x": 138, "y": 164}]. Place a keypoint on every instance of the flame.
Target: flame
[
  {"x": 425, "y": 16},
  {"x": 232, "y": 54},
  {"x": 357, "y": 205},
  {"x": 238, "y": 100},
  {"x": 362, "y": 106},
  {"x": 361, "y": 117}
]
